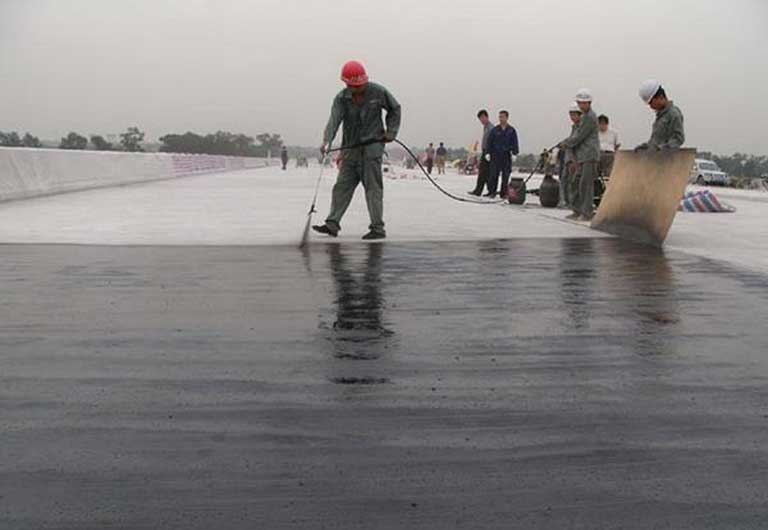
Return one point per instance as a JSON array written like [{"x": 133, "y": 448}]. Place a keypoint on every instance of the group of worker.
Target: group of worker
[
  {"x": 435, "y": 158},
  {"x": 359, "y": 108},
  {"x": 609, "y": 144},
  {"x": 498, "y": 145},
  {"x": 590, "y": 148}
]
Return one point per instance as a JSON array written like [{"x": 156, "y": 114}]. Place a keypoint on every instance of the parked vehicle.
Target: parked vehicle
[{"x": 707, "y": 172}]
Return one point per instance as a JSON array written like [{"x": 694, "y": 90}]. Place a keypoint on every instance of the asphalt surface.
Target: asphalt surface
[{"x": 553, "y": 383}]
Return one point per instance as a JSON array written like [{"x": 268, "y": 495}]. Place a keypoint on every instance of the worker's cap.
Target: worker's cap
[
  {"x": 584, "y": 96},
  {"x": 648, "y": 89},
  {"x": 353, "y": 74}
]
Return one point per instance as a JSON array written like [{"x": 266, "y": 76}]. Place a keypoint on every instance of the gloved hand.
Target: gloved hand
[
  {"x": 388, "y": 138},
  {"x": 324, "y": 149},
  {"x": 641, "y": 147},
  {"x": 487, "y": 157}
]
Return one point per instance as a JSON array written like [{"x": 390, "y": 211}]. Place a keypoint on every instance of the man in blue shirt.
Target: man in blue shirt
[{"x": 502, "y": 144}]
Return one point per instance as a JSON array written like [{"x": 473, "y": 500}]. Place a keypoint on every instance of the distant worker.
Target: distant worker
[
  {"x": 359, "y": 106},
  {"x": 668, "y": 131},
  {"x": 609, "y": 145},
  {"x": 585, "y": 143},
  {"x": 429, "y": 157},
  {"x": 484, "y": 165},
  {"x": 502, "y": 144},
  {"x": 570, "y": 167},
  {"x": 440, "y": 155},
  {"x": 284, "y": 157}
]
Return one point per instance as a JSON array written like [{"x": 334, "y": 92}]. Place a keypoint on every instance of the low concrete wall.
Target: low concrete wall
[{"x": 26, "y": 173}]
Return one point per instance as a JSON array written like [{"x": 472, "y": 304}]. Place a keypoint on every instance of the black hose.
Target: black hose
[{"x": 416, "y": 159}]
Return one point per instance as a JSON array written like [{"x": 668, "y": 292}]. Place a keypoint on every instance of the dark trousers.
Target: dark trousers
[
  {"x": 500, "y": 164},
  {"x": 606, "y": 164},
  {"x": 429, "y": 164},
  {"x": 483, "y": 168}
]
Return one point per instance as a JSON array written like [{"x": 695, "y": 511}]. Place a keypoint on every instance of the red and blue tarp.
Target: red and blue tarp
[{"x": 703, "y": 202}]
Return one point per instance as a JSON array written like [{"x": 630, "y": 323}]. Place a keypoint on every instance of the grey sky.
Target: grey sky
[{"x": 98, "y": 66}]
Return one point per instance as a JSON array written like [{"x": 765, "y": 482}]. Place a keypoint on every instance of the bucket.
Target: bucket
[
  {"x": 549, "y": 192},
  {"x": 516, "y": 191}
]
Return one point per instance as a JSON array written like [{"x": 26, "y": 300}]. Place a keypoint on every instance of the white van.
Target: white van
[{"x": 706, "y": 172}]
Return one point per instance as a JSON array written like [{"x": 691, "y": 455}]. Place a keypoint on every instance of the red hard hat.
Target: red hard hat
[{"x": 353, "y": 74}]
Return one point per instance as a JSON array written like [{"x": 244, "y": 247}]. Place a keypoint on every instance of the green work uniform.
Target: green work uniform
[
  {"x": 362, "y": 122},
  {"x": 668, "y": 131},
  {"x": 585, "y": 143}
]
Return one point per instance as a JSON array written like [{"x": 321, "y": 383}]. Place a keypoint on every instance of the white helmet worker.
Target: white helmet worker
[
  {"x": 574, "y": 107},
  {"x": 584, "y": 96},
  {"x": 649, "y": 89}
]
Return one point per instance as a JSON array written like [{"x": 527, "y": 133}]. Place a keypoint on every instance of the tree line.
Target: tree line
[
  {"x": 132, "y": 140},
  {"x": 222, "y": 143},
  {"x": 739, "y": 164},
  {"x": 12, "y": 139},
  {"x": 237, "y": 144}
]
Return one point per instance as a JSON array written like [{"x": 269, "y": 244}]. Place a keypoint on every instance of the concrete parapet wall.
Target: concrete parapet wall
[{"x": 27, "y": 173}]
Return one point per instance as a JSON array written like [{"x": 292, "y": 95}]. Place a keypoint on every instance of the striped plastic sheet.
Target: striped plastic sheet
[{"x": 703, "y": 202}]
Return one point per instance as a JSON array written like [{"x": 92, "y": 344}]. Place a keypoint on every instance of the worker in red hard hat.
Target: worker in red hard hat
[{"x": 359, "y": 106}]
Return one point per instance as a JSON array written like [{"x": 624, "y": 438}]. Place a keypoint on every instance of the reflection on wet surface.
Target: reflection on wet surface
[
  {"x": 578, "y": 287},
  {"x": 523, "y": 383},
  {"x": 358, "y": 331}
]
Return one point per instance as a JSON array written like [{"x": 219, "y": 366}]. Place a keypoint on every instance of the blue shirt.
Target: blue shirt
[{"x": 503, "y": 142}]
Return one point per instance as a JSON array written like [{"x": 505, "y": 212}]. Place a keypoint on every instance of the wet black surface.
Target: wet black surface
[{"x": 502, "y": 384}]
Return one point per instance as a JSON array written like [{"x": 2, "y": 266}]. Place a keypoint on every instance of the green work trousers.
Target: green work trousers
[
  {"x": 352, "y": 173},
  {"x": 583, "y": 189}
]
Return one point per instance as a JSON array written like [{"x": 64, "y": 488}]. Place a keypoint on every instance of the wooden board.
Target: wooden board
[{"x": 643, "y": 194}]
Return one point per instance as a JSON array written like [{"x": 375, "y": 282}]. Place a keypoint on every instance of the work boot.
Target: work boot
[
  {"x": 585, "y": 218},
  {"x": 490, "y": 195},
  {"x": 475, "y": 193},
  {"x": 325, "y": 229},
  {"x": 573, "y": 217},
  {"x": 370, "y": 236}
]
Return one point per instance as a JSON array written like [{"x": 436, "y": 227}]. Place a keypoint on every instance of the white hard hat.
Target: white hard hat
[
  {"x": 574, "y": 107},
  {"x": 584, "y": 95},
  {"x": 648, "y": 89}
]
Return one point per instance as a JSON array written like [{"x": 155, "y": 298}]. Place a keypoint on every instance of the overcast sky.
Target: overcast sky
[{"x": 99, "y": 66}]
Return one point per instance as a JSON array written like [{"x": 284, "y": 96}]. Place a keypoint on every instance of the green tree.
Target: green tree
[
  {"x": 188, "y": 142},
  {"x": 31, "y": 141},
  {"x": 219, "y": 143},
  {"x": 131, "y": 140},
  {"x": 269, "y": 143},
  {"x": 10, "y": 139},
  {"x": 100, "y": 143},
  {"x": 73, "y": 141},
  {"x": 455, "y": 153},
  {"x": 527, "y": 162}
]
